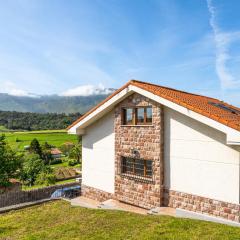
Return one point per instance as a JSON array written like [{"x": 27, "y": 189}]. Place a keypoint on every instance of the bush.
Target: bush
[
  {"x": 72, "y": 162},
  {"x": 56, "y": 161},
  {"x": 45, "y": 178}
]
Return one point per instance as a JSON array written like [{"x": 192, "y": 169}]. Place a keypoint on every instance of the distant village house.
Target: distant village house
[{"x": 56, "y": 153}]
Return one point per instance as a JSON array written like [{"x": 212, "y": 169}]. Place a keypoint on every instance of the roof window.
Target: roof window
[{"x": 224, "y": 107}]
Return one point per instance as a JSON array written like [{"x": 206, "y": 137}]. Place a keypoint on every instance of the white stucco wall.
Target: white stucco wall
[
  {"x": 98, "y": 154},
  {"x": 197, "y": 159}
]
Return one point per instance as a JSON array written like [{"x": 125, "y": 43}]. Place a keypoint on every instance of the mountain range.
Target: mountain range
[{"x": 50, "y": 103}]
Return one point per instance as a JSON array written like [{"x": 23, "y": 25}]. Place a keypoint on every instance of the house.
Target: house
[
  {"x": 56, "y": 153},
  {"x": 152, "y": 146}
]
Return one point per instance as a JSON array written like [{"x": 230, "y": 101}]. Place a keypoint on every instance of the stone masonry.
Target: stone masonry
[
  {"x": 96, "y": 194},
  {"x": 148, "y": 141},
  {"x": 199, "y": 204}
]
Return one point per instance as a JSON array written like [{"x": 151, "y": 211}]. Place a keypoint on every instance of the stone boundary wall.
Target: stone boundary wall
[
  {"x": 199, "y": 204},
  {"x": 96, "y": 194},
  {"x": 18, "y": 197}
]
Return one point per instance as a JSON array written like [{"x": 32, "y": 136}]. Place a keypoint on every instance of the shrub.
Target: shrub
[
  {"x": 56, "y": 161},
  {"x": 45, "y": 178},
  {"x": 72, "y": 162}
]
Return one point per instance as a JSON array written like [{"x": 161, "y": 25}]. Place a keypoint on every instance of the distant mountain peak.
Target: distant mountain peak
[
  {"x": 87, "y": 90},
  {"x": 51, "y": 103},
  {"x": 81, "y": 91}
]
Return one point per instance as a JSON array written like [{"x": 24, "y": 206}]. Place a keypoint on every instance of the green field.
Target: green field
[
  {"x": 3, "y": 129},
  {"x": 58, "y": 220},
  {"x": 17, "y": 140}
]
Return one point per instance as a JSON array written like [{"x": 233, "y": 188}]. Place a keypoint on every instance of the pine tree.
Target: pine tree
[{"x": 35, "y": 147}]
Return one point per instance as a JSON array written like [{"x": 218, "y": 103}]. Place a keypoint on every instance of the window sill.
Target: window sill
[
  {"x": 137, "y": 178},
  {"x": 143, "y": 125}
]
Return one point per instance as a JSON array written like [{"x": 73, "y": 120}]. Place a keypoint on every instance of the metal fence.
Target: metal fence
[{"x": 18, "y": 197}]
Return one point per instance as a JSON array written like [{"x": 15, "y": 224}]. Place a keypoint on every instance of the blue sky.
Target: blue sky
[{"x": 52, "y": 47}]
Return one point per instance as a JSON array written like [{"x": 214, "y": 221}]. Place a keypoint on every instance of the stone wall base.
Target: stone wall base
[
  {"x": 96, "y": 194},
  {"x": 176, "y": 199},
  {"x": 145, "y": 195},
  {"x": 199, "y": 204}
]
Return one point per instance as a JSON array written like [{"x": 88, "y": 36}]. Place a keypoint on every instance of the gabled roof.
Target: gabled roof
[{"x": 209, "y": 107}]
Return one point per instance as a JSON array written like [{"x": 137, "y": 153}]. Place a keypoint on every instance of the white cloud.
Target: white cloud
[
  {"x": 86, "y": 90},
  {"x": 12, "y": 89},
  {"x": 222, "y": 44}
]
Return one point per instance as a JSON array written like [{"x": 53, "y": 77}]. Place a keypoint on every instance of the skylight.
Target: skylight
[{"x": 224, "y": 107}]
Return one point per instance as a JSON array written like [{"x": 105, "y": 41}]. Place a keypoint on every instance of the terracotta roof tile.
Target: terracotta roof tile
[
  {"x": 55, "y": 151},
  {"x": 197, "y": 103}
]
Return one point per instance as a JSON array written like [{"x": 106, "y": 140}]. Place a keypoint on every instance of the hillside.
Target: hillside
[
  {"x": 51, "y": 103},
  {"x": 35, "y": 121}
]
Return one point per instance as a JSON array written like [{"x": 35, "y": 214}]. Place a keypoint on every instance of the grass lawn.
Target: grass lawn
[
  {"x": 58, "y": 220},
  {"x": 54, "y": 137},
  {"x": 65, "y": 164}
]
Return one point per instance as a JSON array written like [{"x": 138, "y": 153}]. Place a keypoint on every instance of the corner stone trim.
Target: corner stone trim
[
  {"x": 148, "y": 141},
  {"x": 199, "y": 204},
  {"x": 96, "y": 194}
]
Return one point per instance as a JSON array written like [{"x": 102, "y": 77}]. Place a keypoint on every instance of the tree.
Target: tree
[
  {"x": 32, "y": 166},
  {"x": 76, "y": 153},
  {"x": 45, "y": 178},
  {"x": 35, "y": 147},
  {"x": 46, "y": 145},
  {"x": 46, "y": 153},
  {"x": 66, "y": 148},
  {"x": 47, "y": 156},
  {"x": 10, "y": 163}
]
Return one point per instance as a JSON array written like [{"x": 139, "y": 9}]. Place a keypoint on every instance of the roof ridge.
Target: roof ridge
[
  {"x": 194, "y": 102},
  {"x": 174, "y": 89}
]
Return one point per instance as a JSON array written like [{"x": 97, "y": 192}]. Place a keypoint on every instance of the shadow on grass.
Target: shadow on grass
[{"x": 6, "y": 229}]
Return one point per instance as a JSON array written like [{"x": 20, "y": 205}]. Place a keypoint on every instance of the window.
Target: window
[
  {"x": 137, "y": 116},
  {"x": 140, "y": 115},
  {"x": 225, "y": 107},
  {"x": 148, "y": 115},
  {"x": 128, "y": 116},
  {"x": 137, "y": 167}
]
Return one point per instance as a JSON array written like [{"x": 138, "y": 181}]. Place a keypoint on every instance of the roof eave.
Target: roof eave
[{"x": 102, "y": 109}]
